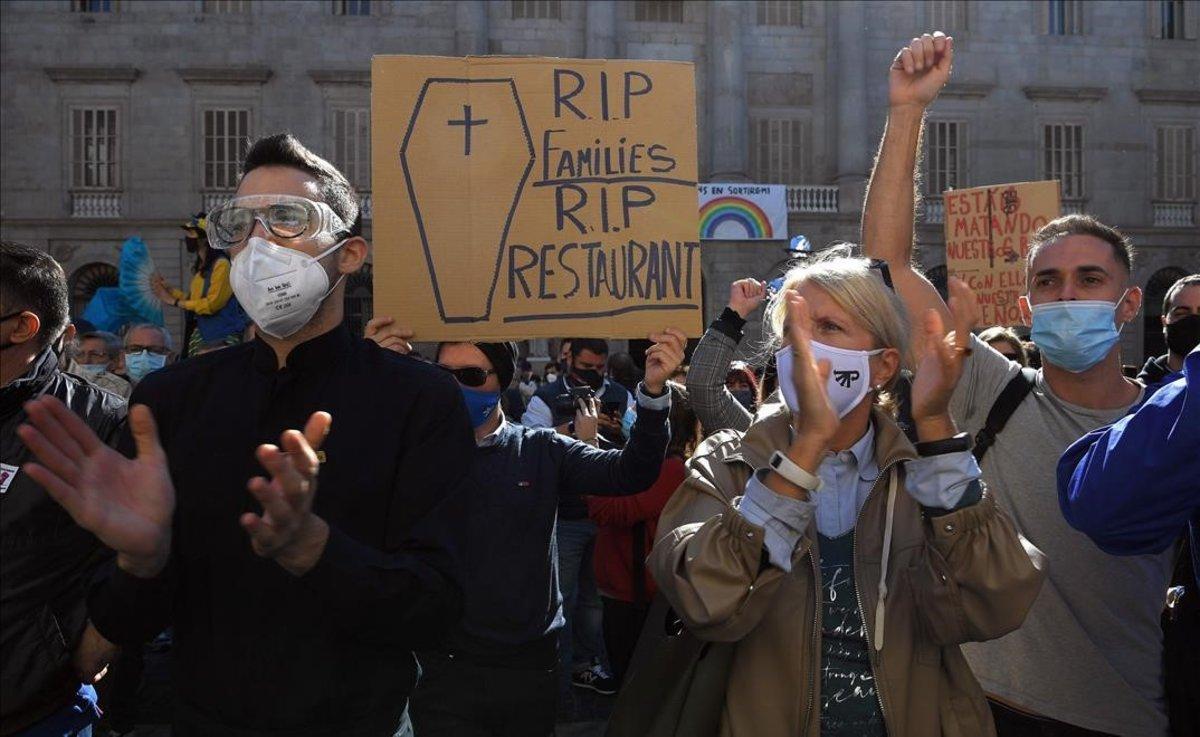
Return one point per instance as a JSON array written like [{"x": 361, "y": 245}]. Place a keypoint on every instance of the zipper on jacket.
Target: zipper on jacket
[
  {"x": 815, "y": 669},
  {"x": 875, "y": 656}
]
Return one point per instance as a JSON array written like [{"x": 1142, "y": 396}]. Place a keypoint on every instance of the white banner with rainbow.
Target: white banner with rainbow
[{"x": 743, "y": 212}]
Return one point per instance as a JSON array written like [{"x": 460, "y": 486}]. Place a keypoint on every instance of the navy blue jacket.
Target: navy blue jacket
[
  {"x": 513, "y": 608},
  {"x": 611, "y": 392}
]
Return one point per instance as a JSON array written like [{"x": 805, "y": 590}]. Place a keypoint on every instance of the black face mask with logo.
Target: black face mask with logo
[
  {"x": 1183, "y": 335},
  {"x": 591, "y": 377}
]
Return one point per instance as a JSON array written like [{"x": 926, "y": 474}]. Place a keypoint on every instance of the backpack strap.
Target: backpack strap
[{"x": 1005, "y": 405}]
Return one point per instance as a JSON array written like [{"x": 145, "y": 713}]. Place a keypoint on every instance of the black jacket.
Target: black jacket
[
  {"x": 46, "y": 560},
  {"x": 260, "y": 651},
  {"x": 1155, "y": 370}
]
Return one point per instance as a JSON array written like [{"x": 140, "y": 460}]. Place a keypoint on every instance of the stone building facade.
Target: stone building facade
[{"x": 123, "y": 117}]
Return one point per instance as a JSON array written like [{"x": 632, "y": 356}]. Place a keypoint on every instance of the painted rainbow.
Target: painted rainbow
[{"x": 734, "y": 209}]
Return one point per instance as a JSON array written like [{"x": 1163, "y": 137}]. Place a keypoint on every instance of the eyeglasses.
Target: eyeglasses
[
  {"x": 94, "y": 356},
  {"x": 284, "y": 216},
  {"x": 155, "y": 349},
  {"x": 468, "y": 375}
]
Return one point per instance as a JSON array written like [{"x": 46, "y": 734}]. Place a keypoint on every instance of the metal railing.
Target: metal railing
[
  {"x": 812, "y": 198},
  {"x": 935, "y": 209},
  {"x": 1174, "y": 214},
  {"x": 1074, "y": 207},
  {"x": 95, "y": 204},
  {"x": 213, "y": 200}
]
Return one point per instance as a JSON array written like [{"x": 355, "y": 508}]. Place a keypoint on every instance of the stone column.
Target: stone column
[
  {"x": 727, "y": 90},
  {"x": 471, "y": 27},
  {"x": 600, "y": 29},
  {"x": 853, "y": 147}
]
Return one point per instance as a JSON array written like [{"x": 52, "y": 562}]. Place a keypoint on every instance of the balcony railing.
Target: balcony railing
[
  {"x": 1174, "y": 214},
  {"x": 935, "y": 209},
  {"x": 213, "y": 200},
  {"x": 1074, "y": 207},
  {"x": 95, "y": 204},
  {"x": 812, "y": 198}
]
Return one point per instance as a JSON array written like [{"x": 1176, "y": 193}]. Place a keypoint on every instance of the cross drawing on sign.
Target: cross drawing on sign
[
  {"x": 845, "y": 378},
  {"x": 467, "y": 122}
]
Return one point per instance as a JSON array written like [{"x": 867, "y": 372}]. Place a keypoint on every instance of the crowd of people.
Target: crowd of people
[{"x": 875, "y": 518}]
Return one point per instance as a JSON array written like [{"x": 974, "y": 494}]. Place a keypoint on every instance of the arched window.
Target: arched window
[
  {"x": 1153, "y": 343},
  {"x": 359, "y": 302},
  {"x": 86, "y": 280}
]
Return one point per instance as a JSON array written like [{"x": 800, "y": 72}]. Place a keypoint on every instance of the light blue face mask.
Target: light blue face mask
[
  {"x": 141, "y": 363},
  {"x": 1075, "y": 335}
]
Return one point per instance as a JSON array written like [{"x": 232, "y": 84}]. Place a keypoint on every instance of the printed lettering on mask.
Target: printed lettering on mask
[
  {"x": 280, "y": 288},
  {"x": 849, "y": 375}
]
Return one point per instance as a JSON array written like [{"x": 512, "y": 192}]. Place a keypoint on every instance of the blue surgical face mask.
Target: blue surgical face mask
[
  {"x": 480, "y": 404},
  {"x": 1075, "y": 335},
  {"x": 140, "y": 364}
]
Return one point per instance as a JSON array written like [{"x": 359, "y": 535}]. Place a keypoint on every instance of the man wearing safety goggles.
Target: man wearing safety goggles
[{"x": 304, "y": 620}]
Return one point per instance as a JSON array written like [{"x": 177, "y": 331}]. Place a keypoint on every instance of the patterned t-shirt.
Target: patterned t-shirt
[{"x": 849, "y": 704}]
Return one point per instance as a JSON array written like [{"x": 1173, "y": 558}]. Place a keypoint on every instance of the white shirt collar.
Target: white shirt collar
[{"x": 493, "y": 437}]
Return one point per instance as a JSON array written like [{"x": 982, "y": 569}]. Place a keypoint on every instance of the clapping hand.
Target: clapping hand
[
  {"x": 125, "y": 502},
  {"x": 816, "y": 422},
  {"x": 942, "y": 366},
  {"x": 287, "y": 530}
]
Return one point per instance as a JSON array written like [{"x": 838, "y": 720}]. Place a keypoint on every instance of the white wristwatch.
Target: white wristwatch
[{"x": 783, "y": 466}]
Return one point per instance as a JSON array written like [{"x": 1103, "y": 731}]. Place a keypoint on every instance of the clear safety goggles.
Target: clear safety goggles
[{"x": 284, "y": 216}]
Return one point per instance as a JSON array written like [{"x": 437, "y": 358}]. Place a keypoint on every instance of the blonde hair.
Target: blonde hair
[{"x": 856, "y": 288}]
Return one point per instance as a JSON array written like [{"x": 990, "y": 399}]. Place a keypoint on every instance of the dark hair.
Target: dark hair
[
  {"x": 595, "y": 345},
  {"x": 1081, "y": 225},
  {"x": 998, "y": 333},
  {"x": 112, "y": 342},
  {"x": 35, "y": 282},
  {"x": 283, "y": 149},
  {"x": 1191, "y": 280},
  {"x": 623, "y": 370}
]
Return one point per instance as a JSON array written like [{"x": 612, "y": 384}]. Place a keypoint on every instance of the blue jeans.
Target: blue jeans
[{"x": 581, "y": 641}]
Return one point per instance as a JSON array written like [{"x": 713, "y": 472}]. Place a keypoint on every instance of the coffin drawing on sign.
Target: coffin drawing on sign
[{"x": 492, "y": 147}]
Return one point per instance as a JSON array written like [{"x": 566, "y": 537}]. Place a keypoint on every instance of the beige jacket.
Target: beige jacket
[{"x": 966, "y": 576}]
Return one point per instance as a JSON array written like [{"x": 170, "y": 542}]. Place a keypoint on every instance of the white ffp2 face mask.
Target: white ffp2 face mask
[
  {"x": 279, "y": 288},
  {"x": 849, "y": 375}
]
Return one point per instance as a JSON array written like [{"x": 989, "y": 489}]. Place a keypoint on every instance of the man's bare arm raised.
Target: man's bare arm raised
[{"x": 917, "y": 74}]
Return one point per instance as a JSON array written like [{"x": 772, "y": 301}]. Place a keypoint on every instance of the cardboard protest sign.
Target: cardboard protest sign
[
  {"x": 743, "y": 212},
  {"x": 529, "y": 197},
  {"x": 987, "y": 239}
]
